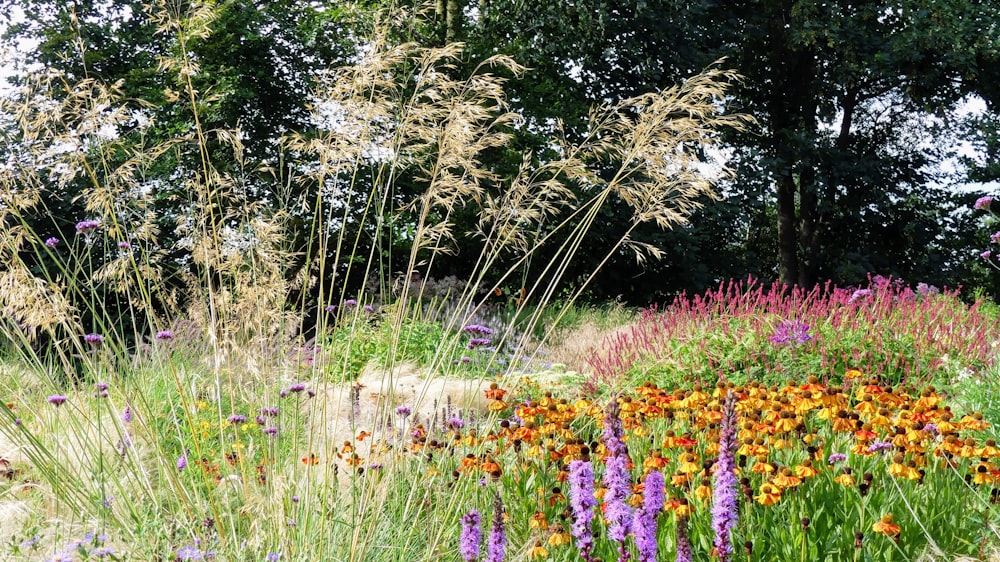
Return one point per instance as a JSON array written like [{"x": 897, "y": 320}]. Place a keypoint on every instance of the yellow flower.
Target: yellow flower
[
  {"x": 769, "y": 494},
  {"x": 886, "y": 526},
  {"x": 539, "y": 551}
]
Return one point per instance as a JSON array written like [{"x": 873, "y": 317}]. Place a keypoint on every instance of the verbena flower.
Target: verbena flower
[
  {"x": 164, "y": 335},
  {"x": 497, "y": 545},
  {"x": 87, "y": 226},
  {"x": 983, "y": 202},
  {"x": 56, "y": 400},
  {"x": 51, "y": 242},
  {"x": 725, "y": 506},
  {"x": 93, "y": 338},
  {"x": 350, "y": 302},
  {"x": 182, "y": 462},
  {"x": 837, "y": 457},
  {"x": 478, "y": 329},
  {"x": 582, "y": 503},
  {"x": 236, "y": 418},
  {"x": 472, "y": 535},
  {"x": 296, "y": 387},
  {"x": 403, "y": 411}
]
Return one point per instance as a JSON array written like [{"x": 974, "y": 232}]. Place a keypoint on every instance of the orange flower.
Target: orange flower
[
  {"x": 769, "y": 494},
  {"x": 886, "y": 526},
  {"x": 538, "y": 521},
  {"x": 559, "y": 537},
  {"x": 310, "y": 460},
  {"x": 538, "y": 551}
]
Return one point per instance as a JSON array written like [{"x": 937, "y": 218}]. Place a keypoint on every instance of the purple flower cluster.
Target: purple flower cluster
[
  {"x": 618, "y": 488},
  {"x": 93, "y": 338},
  {"x": 837, "y": 457},
  {"x": 878, "y": 446},
  {"x": 88, "y": 226},
  {"x": 613, "y": 432},
  {"x": 582, "y": 503},
  {"x": 164, "y": 335},
  {"x": 56, "y": 400},
  {"x": 984, "y": 202},
  {"x": 477, "y": 329},
  {"x": 51, "y": 242},
  {"x": 237, "y": 418},
  {"x": 792, "y": 332},
  {"x": 860, "y": 294},
  {"x": 644, "y": 525},
  {"x": 479, "y": 342},
  {"x": 725, "y": 507},
  {"x": 404, "y": 411},
  {"x": 472, "y": 534}
]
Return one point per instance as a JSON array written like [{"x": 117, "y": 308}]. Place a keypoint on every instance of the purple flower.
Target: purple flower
[
  {"x": 983, "y": 202},
  {"x": 644, "y": 525},
  {"x": 273, "y": 557},
  {"x": 478, "y": 329},
  {"x": 297, "y": 387},
  {"x": 56, "y": 400},
  {"x": 471, "y": 536},
  {"x": 190, "y": 553},
  {"x": 403, "y": 411},
  {"x": 479, "y": 342},
  {"x": 860, "y": 293},
  {"x": 127, "y": 414},
  {"x": 618, "y": 485},
  {"x": 164, "y": 335},
  {"x": 86, "y": 227},
  {"x": 793, "y": 332},
  {"x": 182, "y": 462},
  {"x": 124, "y": 245},
  {"x": 269, "y": 411},
  {"x": 272, "y": 430},
  {"x": 932, "y": 429},
  {"x": 350, "y": 302},
  {"x": 995, "y": 237},
  {"x": 465, "y": 359},
  {"x": 497, "y": 545},
  {"x": 582, "y": 503},
  {"x": 101, "y": 386},
  {"x": 369, "y": 308},
  {"x": 456, "y": 422},
  {"x": 725, "y": 509},
  {"x": 51, "y": 242},
  {"x": 93, "y": 338},
  {"x": 683, "y": 543},
  {"x": 923, "y": 289},
  {"x": 331, "y": 308},
  {"x": 837, "y": 457},
  {"x": 237, "y": 418},
  {"x": 878, "y": 446},
  {"x": 985, "y": 255},
  {"x": 613, "y": 432}
]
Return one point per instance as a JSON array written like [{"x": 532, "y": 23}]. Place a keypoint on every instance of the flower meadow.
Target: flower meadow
[{"x": 541, "y": 463}]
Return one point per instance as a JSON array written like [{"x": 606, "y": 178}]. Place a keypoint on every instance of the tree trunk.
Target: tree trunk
[{"x": 453, "y": 21}]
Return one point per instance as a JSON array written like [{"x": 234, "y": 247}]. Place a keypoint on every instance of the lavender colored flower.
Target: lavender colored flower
[
  {"x": 793, "y": 332},
  {"x": 995, "y": 237},
  {"x": 496, "y": 546},
  {"x": 879, "y": 446},
  {"x": 350, "y": 302},
  {"x": 190, "y": 553},
  {"x": 237, "y": 418},
  {"x": 296, "y": 387},
  {"x": 465, "y": 359},
  {"x": 182, "y": 462},
  {"x": 102, "y": 551},
  {"x": 368, "y": 308},
  {"x": 124, "y": 245},
  {"x": 925, "y": 290},
  {"x": 472, "y": 535},
  {"x": 86, "y": 227},
  {"x": 269, "y": 411},
  {"x": 837, "y": 457},
  {"x": 331, "y": 308},
  {"x": 403, "y": 411},
  {"x": 456, "y": 422},
  {"x": 93, "y": 338},
  {"x": 725, "y": 507},
  {"x": 56, "y": 400},
  {"x": 986, "y": 255},
  {"x": 618, "y": 486},
  {"x": 983, "y": 202},
  {"x": 272, "y": 430},
  {"x": 273, "y": 557},
  {"x": 684, "y": 553},
  {"x": 164, "y": 335},
  {"x": 479, "y": 342},
  {"x": 859, "y": 294},
  {"x": 644, "y": 525},
  {"x": 477, "y": 329},
  {"x": 51, "y": 242},
  {"x": 932, "y": 429},
  {"x": 101, "y": 386},
  {"x": 582, "y": 504}
]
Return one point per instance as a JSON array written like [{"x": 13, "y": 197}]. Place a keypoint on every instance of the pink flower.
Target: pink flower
[{"x": 983, "y": 202}]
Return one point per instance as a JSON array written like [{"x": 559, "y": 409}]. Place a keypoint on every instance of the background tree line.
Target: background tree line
[{"x": 855, "y": 106}]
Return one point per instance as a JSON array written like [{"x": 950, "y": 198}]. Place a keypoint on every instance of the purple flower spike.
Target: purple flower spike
[
  {"x": 56, "y": 400},
  {"x": 496, "y": 547},
  {"x": 684, "y": 553},
  {"x": 582, "y": 503},
  {"x": 472, "y": 535},
  {"x": 644, "y": 526},
  {"x": 725, "y": 507}
]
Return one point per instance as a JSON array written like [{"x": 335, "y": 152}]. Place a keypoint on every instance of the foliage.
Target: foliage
[{"x": 750, "y": 331}]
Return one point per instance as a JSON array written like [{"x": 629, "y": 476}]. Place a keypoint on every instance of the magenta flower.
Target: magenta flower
[
  {"x": 471, "y": 536},
  {"x": 618, "y": 514},
  {"x": 403, "y": 411},
  {"x": 51, "y": 242},
  {"x": 350, "y": 302},
  {"x": 93, "y": 338},
  {"x": 56, "y": 400},
  {"x": 983, "y": 202},
  {"x": 985, "y": 255},
  {"x": 837, "y": 457},
  {"x": 164, "y": 335},
  {"x": 995, "y": 237},
  {"x": 88, "y": 226}
]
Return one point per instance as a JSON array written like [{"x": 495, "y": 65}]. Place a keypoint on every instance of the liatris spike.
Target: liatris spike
[
  {"x": 725, "y": 509},
  {"x": 617, "y": 513},
  {"x": 497, "y": 545},
  {"x": 582, "y": 502},
  {"x": 644, "y": 526},
  {"x": 683, "y": 543},
  {"x": 613, "y": 432},
  {"x": 471, "y": 536}
]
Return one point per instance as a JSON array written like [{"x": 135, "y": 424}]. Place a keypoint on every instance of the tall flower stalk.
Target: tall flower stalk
[
  {"x": 582, "y": 503},
  {"x": 472, "y": 534},
  {"x": 644, "y": 526},
  {"x": 497, "y": 546},
  {"x": 725, "y": 507},
  {"x": 617, "y": 481}
]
